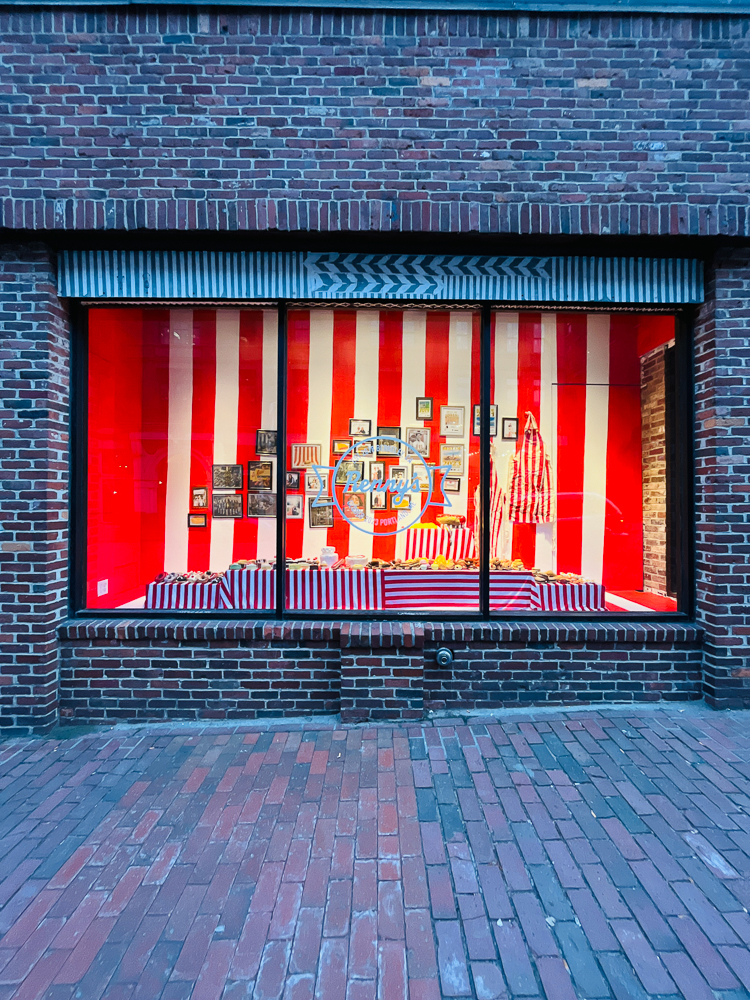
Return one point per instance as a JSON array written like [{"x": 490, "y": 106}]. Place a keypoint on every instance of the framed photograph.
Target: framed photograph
[
  {"x": 320, "y": 517},
  {"x": 424, "y": 407},
  {"x": 345, "y": 467},
  {"x": 261, "y": 504},
  {"x": 226, "y": 504},
  {"x": 354, "y": 506},
  {"x": 452, "y": 421},
  {"x": 313, "y": 481},
  {"x": 295, "y": 507},
  {"x": 422, "y": 476},
  {"x": 292, "y": 480},
  {"x": 510, "y": 428},
  {"x": 451, "y": 484},
  {"x": 305, "y": 455},
  {"x": 364, "y": 449},
  {"x": 260, "y": 476},
  {"x": 404, "y": 503},
  {"x": 200, "y": 497},
  {"x": 378, "y": 500},
  {"x": 419, "y": 439},
  {"x": 389, "y": 447},
  {"x": 377, "y": 472},
  {"x": 339, "y": 446},
  {"x": 398, "y": 472},
  {"x": 227, "y": 477},
  {"x": 477, "y": 417},
  {"x": 197, "y": 520},
  {"x": 452, "y": 455},
  {"x": 362, "y": 428},
  {"x": 265, "y": 442}
]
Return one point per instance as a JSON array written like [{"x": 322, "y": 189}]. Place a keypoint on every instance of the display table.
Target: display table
[
  {"x": 427, "y": 543},
  {"x": 375, "y": 590}
]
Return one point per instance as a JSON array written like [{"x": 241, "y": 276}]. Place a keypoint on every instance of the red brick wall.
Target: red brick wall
[
  {"x": 34, "y": 375},
  {"x": 654, "y": 462},
  {"x": 337, "y": 121}
]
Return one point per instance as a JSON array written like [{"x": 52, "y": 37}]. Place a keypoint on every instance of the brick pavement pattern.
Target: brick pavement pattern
[{"x": 588, "y": 855}]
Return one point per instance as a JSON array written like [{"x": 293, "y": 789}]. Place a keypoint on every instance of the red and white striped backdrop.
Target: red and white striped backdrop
[
  {"x": 184, "y": 597},
  {"x": 174, "y": 391},
  {"x": 570, "y": 597},
  {"x": 430, "y": 542}
]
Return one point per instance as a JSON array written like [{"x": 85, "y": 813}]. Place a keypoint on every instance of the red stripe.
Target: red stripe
[
  {"x": 472, "y": 479},
  {"x": 389, "y": 413},
  {"x": 342, "y": 407},
  {"x": 114, "y": 441},
  {"x": 529, "y": 396},
  {"x": 249, "y": 418},
  {"x": 298, "y": 390},
  {"x": 202, "y": 433},
  {"x": 152, "y": 467},
  {"x": 571, "y": 429},
  {"x": 437, "y": 346}
]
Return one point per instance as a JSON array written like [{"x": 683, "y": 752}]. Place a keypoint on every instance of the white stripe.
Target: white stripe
[
  {"x": 225, "y": 423},
  {"x": 595, "y": 446},
  {"x": 413, "y": 359},
  {"x": 179, "y": 434},
  {"x": 366, "y": 369},
  {"x": 321, "y": 389},
  {"x": 506, "y": 398},
  {"x": 546, "y": 534},
  {"x": 624, "y": 603},
  {"x": 267, "y": 525}
]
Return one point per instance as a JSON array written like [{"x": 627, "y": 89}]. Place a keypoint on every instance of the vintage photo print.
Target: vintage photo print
[
  {"x": 313, "y": 481},
  {"x": 360, "y": 428},
  {"x": 320, "y": 517},
  {"x": 260, "y": 476},
  {"x": 305, "y": 455},
  {"x": 227, "y": 477},
  {"x": 452, "y": 421},
  {"x": 421, "y": 473},
  {"x": 261, "y": 505},
  {"x": 364, "y": 449},
  {"x": 226, "y": 504},
  {"x": 510, "y": 428},
  {"x": 424, "y": 408},
  {"x": 200, "y": 497},
  {"x": 477, "y": 411},
  {"x": 377, "y": 472},
  {"x": 452, "y": 455},
  {"x": 378, "y": 500},
  {"x": 344, "y": 468},
  {"x": 401, "y": 503},
  {"x": 389, "y": 447},
  {"x": 354, "y": 506},
  {"x": 292, "y": 480},
  {"x": 265, "y": 442},
  {"x": 398, "y": 472},
  {"x": 451, "y": 484},
  {"x": 419, "y": 439},
  {"x": 295, "y": 507}
]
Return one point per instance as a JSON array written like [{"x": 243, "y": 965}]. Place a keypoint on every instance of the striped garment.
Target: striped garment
[{"x": 530, "y": 499}]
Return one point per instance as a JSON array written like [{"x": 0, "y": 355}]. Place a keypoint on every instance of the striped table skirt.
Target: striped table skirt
[
  {"x": 307, "y": 590},
  {"x": 570, "y": 597},
  {"x": 185, "y": 597},
  {"x": 250, "y": 589},
  {"x": 456, "y": 543}
]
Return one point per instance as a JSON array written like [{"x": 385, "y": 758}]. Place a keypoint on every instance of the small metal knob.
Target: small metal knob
[{"x": 444, "y": 656}]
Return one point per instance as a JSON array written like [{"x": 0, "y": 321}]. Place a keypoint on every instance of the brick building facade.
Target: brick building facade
[{"x": 327, "y": 130}]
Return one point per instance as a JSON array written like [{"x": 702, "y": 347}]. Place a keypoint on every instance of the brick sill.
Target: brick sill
[{"x": 375, "y": 633}]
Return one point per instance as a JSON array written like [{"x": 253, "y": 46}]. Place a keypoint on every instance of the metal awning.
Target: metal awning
[{"x": 185, "y": 275}]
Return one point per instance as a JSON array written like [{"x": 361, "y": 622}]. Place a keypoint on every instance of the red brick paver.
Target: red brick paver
[{"x": 595, "y": 855}]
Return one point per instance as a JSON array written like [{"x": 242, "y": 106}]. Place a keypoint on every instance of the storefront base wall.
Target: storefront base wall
[{"x": 118, "y": 672}]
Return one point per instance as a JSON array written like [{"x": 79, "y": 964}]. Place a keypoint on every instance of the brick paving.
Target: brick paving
[{"x": 572, "y": 855}]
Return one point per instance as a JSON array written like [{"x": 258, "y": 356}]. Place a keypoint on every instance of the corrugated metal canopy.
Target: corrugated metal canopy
[{"x": 185, "y": 275}]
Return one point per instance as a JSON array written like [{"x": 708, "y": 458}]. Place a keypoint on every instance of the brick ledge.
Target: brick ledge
[{"x": 375, "y": 633}]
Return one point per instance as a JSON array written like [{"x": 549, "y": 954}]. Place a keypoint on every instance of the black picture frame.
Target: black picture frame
[
  {"x": 266, "y": 442},
  {"x": 424, "y": 408},
  {"x": 260, "y": 476},
  {"x": 226, "y": 505},
  {"x": 322, "y": 516},
  {"x": 199, "y": 498},
  {"x": 226, "y": 477},
  {"x": 359, "y": 427},
  {"x": 261, "y": 504},
  {"x": 386, "y": 447},
  {"x": 476, "y": 411},
  {"x": 197, "y": 520},
  {"x": 292, "y": 480},
  {"x": 509, "y": 427},
  {"x": 345, "y": 467}
]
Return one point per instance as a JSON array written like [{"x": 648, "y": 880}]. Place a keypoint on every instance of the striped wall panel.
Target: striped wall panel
[{"x": 156, "y": 274}]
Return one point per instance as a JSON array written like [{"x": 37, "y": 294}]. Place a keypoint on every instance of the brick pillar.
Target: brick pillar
[
  {"x": 382, "y": 671},
  {"x": 34, "y": 373},
  {"x": 722, "y": 414}
]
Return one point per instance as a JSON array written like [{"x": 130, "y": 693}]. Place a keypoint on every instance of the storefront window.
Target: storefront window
[{"x": 381, "y": 495}]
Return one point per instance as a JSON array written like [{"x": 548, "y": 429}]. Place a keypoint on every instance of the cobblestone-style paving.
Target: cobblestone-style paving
[{"x": 582, "y": 855}]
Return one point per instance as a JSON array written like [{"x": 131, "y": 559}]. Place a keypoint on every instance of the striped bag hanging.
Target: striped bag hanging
[
  {"x": 530, "y": 498},
  {"x": 496, "y": 507}
]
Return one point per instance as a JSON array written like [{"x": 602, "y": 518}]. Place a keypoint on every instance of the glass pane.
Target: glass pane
[
  {"x": 181, "y": 458},
  {"x": 383, "y": 462},
  {"x": 582, "y": 463}
]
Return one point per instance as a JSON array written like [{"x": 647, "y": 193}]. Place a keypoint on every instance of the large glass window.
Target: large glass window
[{"x": 381, "y": 461}]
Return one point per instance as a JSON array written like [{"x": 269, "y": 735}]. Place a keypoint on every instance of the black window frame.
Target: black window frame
[{"x": 683, "y": 473}]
